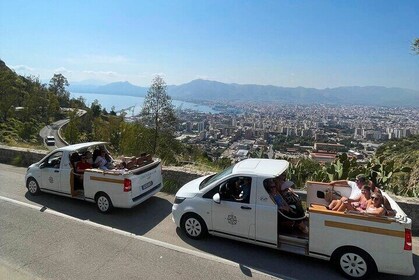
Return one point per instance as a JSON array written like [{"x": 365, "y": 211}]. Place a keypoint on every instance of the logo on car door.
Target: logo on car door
[{"x": 232, "y": 219}]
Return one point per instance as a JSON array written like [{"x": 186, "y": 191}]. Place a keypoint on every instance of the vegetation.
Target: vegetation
[
  {"x": 415, "y": 46},
  {"x": 395, "y": 167},
  {"x": 158, "y": 112},
  {"x": 27, "y": 105}
]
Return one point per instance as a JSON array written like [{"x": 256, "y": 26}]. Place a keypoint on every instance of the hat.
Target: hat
[{"x": 286, "y": 185}]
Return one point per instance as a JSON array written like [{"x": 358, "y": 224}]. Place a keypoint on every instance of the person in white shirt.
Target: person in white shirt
[
  {"x": 356, "y": 186},
  {"x": 100, "y": 161}
]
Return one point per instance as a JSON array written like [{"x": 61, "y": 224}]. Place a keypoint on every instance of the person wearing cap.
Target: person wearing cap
[
  {"x": 292, "y": 199},
  {"x": 356, "y": 187}
]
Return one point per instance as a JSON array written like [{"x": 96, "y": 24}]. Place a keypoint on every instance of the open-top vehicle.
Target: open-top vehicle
[
  {"x": 122, "y": 187},
  {"x": 360, "y": 244}
]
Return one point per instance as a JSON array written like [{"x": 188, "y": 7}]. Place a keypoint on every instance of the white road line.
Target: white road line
[{"x": 145, "y": 239}]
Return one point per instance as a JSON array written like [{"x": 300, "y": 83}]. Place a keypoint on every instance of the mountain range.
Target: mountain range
[{"x": 199, "y": 90}]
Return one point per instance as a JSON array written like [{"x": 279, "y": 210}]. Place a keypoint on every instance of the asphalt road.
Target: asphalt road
[
  {"x": 62, "y": 238},
  {"x": 52, "y": 130}
]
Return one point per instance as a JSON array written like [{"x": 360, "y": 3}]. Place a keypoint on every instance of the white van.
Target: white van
[
  {"x": 123, "y": 188},
  {"x": 358, "y": 243},
  {"x": 50, "y": 140}
]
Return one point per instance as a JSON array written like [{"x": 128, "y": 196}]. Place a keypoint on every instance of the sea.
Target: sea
[{"x": 132, "y": 104}]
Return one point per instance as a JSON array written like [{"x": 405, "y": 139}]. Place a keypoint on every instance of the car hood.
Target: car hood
[{"x": 191, "y": 188}]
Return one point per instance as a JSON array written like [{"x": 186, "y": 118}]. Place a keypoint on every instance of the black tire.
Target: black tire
[
  {"x": 194, "y": 226},
  {"x": 103, "y": 203},
  {"x": 32, "y": 186},
  {"x": 354, "y": 263}
]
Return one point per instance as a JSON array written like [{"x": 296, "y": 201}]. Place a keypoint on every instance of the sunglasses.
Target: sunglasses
[{"x": 375, "y": 198}]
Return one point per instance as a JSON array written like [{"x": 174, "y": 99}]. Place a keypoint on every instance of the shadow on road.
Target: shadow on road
[
  {"x": 146, "y": 216},
  {"x": 138, "y": 220},
  {"x": 286, "y": 265}
]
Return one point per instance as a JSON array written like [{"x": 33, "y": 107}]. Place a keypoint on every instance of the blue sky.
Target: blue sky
[{"x": 315, "y": 44}]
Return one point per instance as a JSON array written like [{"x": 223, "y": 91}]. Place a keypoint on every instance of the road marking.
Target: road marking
[{"x": 146, "y": 239}]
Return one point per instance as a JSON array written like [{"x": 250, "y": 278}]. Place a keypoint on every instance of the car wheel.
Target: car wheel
[
  {"x": 33, "y": 186},
  {"x": 193, "y": 226},
  {"x": 103, "y": 203},
  {"x": 354, "y": 263}
]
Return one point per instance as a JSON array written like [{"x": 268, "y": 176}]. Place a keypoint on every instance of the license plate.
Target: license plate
[{"x": 147, "y": 185}]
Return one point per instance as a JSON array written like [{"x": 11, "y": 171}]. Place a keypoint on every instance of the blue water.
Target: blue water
[{"x": 122, "y": 102}]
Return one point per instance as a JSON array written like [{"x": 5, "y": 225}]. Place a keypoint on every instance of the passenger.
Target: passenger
[
  {"x": 387, "y": 206},
  {"x": 292, "y": 199},
  {"x": 375, "y": 205},
  {"x": 89, "y": 157},
  {"x": 360, "y": 205},
  {"x": 101, "y": 161},
  {"x": 242, "y": 189},
  {"x": 279, "y": 200},
  {"x": 355, "y": 192},
  {"x": 82, "y": 165}
]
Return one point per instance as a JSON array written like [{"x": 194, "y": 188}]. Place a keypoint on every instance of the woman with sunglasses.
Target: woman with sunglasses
[{"x": 375, "y": 206}]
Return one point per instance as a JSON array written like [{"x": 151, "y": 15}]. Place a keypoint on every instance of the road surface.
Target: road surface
[{"x": 56, "y": 237}]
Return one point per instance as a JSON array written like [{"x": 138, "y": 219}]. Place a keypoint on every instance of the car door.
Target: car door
[
  {"x": 231, "y": 216},
  {"x": 50, "y": 172}
]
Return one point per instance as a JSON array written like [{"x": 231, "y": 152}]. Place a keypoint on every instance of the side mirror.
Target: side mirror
[
  {"x": 42, "y": 165},
  {"x": 216, "y": 198}
]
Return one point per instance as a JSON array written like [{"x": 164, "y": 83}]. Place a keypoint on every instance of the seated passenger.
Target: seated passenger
[
  {"x": 356, "y": 186},
  {"x": 280, "y": 202},
  {"x": 292, "y": 199},
  {"x": 360, "y": 205},
  {"x": 100, "y": 161},
  {"x": 89, "y": 157},
  {"x": 242, "y": 190},
  {"x": 82, "y": 165},
  {"x": 104, "y": 161},
  {"x": 375, "y": 206}
]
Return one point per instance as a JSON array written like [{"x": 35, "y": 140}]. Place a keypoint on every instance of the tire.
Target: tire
[
  {"x": 32, "y": 186},
  {"x": 103, "y": 203},
  {"x": 194, "y": 226},
  {"x": 355, "y": 263}
]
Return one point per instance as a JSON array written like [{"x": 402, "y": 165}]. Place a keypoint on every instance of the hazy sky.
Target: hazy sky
[{"x": 286, "y": 43}]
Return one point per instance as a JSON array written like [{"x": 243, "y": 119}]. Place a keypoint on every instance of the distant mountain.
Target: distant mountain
[
  {"x": 211, "y": 90},
  {"x": 118, "y": 88}
]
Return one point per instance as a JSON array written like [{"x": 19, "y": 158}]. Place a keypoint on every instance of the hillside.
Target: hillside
[
  {"x": 404, "y": 152},
  {"x": 211, "y": 90}
]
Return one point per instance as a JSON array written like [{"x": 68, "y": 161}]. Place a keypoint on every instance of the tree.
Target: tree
[
  {"x": 158, "y": 112},
  {"x": 96, "y": 108},
  {"x": 415, "y": 46},
  {"x": 72, "y": 132},
  {"x": 58, "y": 85}
]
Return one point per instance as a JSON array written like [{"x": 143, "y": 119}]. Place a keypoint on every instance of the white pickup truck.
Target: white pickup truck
[
  {"x": 123, "y": 188},
  {"x": 359, "y": 244}
]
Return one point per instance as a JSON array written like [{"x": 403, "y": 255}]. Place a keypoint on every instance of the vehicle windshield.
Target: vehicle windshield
[{"x": 209, "y": 180}]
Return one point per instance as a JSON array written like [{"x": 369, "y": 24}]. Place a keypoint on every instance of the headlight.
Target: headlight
[{"x": 179, "y": 200}]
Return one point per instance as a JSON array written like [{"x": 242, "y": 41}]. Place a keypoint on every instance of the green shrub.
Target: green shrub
[
  {"x": 170, "y": 186},
  {"x": 17, "y": 160}
]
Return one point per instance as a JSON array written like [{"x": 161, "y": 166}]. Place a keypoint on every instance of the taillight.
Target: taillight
[
  {"x": 127, "y": 185},
  {"x": 408, "y": 239}
]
